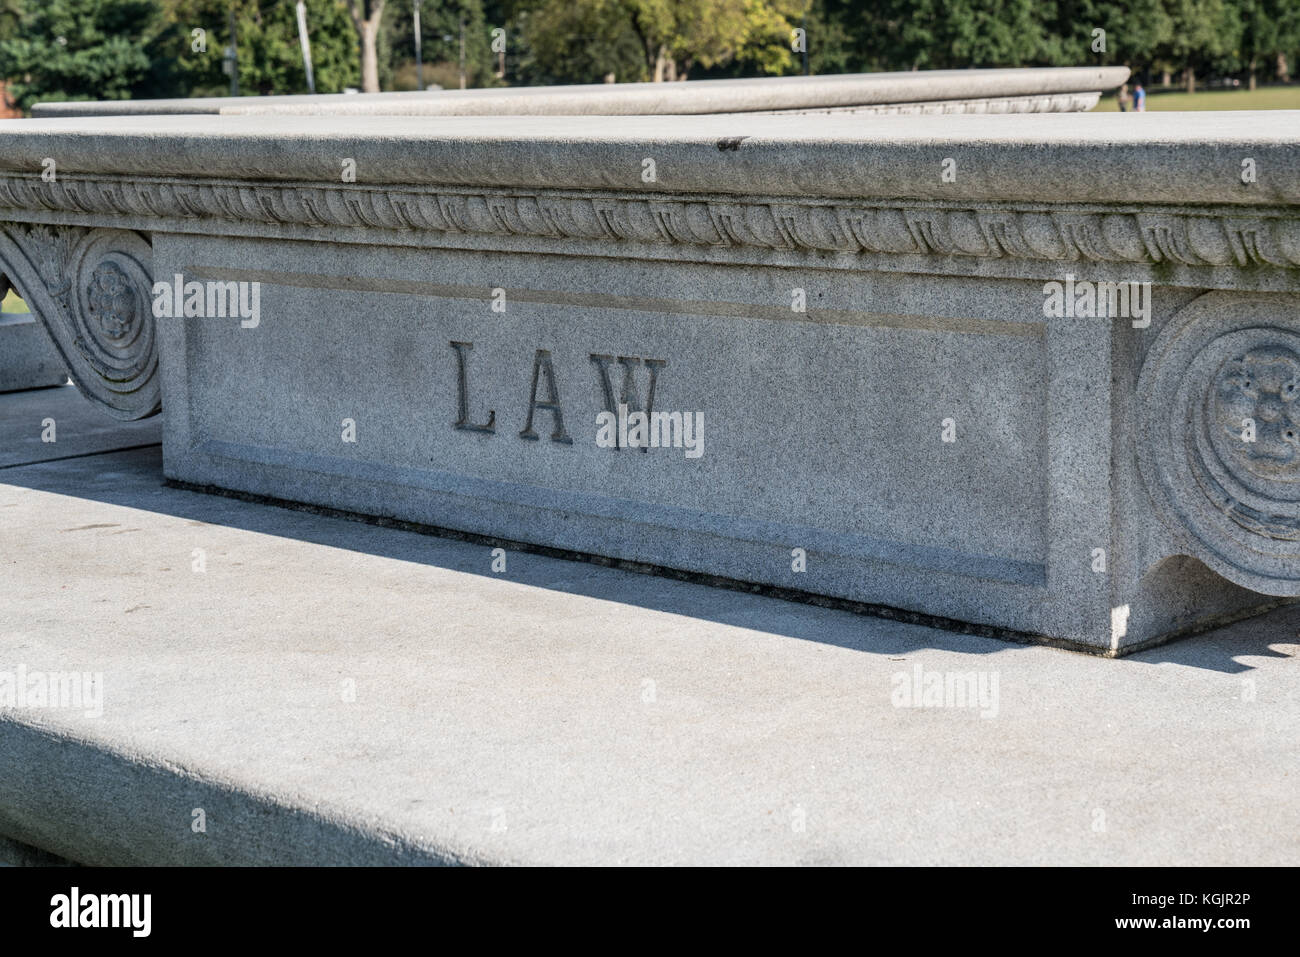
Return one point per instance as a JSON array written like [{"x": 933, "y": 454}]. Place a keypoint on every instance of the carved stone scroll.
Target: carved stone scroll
[{"x": 90, "y": 288}]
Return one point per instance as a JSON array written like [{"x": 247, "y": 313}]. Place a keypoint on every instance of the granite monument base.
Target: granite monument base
[{"x": 964, "y": 367}]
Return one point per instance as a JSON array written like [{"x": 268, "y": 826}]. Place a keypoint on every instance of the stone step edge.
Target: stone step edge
[{"x": 65, "y": 794}]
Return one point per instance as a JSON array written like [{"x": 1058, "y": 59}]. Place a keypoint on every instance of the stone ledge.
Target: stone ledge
[
  {"x": 1105, "y": 159},
  {"x": 102, "y": 806},
  {"x": 696, "y": 96}
]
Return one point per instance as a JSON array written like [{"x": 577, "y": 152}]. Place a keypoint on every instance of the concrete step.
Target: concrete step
[
  {"x": 315, "y": 690},
  {"x": 28, "y": 360},
  {"x": 41, "y": 425}
]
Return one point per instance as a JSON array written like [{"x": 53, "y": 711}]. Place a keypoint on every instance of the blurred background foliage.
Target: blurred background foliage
[{"x": 107, "y": 49}]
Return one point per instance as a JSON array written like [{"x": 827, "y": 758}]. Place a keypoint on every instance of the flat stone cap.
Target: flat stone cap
[
  {"x": 695, "y": 96},
  {"x": 1080, "y": 157}
]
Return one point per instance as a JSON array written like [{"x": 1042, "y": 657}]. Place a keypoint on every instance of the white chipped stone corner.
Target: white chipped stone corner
[{"x": 923, "y": 435}]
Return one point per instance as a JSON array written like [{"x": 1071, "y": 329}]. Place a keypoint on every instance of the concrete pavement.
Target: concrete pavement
[{"x": 283, "y": 687}]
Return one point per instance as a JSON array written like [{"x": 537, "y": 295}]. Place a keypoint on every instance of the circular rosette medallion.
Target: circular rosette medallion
[
  {"x": 112, "y": 315},
  {"x": 1219, "y": 442}
]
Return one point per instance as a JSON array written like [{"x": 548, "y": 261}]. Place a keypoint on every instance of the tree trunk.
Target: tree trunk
[
  {"x": 647, "y": 48},
  {"x": 661, "y": 64},
  {"x": 1190, "y": 75},
  {"x": 1250, "y": 83},
  {"x": 365, "y": 20},
  {"x": 1283, "y": 72},
  {"x": 1164, "y": 78},
  {"x": 369, "y": 57}
]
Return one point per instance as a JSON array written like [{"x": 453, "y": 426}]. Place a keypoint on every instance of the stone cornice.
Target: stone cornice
[{"x": 1188, "y": 236}]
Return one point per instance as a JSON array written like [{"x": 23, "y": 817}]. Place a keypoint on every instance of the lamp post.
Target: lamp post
[
  {"x": 419, "y": 60},
  {"x": 305, "y": 43},
  {"x": 230, "y": 58}
]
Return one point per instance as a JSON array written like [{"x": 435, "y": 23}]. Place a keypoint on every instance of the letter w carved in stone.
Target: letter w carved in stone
[{"x": 628, "y": 395}]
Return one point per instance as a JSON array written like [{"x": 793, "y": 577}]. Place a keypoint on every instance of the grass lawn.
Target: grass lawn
[
  {"x": 1264, "y": 98},
  {"x": 13, "y": 304}
]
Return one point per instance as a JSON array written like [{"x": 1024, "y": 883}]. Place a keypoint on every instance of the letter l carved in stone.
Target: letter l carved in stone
[{"x": 462, "y": 394}]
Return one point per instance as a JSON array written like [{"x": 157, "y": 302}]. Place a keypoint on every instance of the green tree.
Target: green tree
[
  {"x": 1134, "y": 32},
  {"x": 78, "y": 49},
  {"x": 829, "y": 38},
  {"x": 270, "y": 59},
  {"x": 585, "y": 40},
  {"x": 1204, "y": 33},
  {"x": 440, "y": 22},
  {"x": 678, "y": 35},
  {"x": 10, "y": 14},
  {"x": 956, "y": 34},
  {"x": 1270, "y": 31}
]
